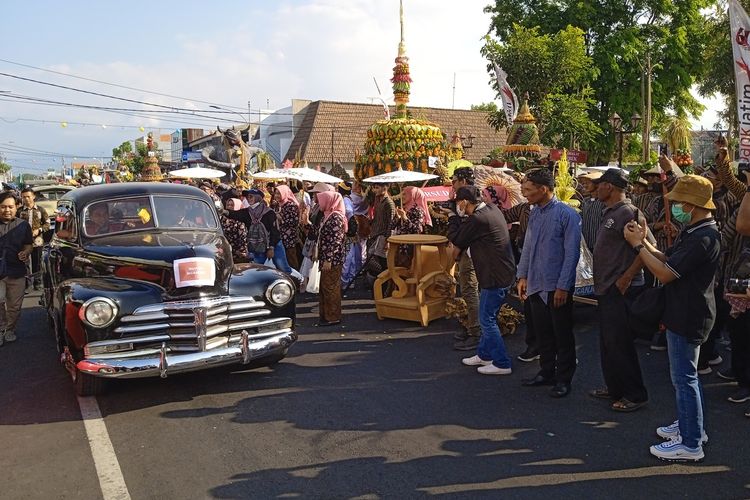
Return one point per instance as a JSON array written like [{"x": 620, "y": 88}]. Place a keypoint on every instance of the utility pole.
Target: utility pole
[
  {"x": 646, "y": 74},
  {"x": 332, "y": 133},
  {"x": 453, "y": 106},
  {"x": 248, "y": 112}
]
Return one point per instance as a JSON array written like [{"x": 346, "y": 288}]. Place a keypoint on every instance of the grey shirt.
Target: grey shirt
[{"x": 612, "y": 254}]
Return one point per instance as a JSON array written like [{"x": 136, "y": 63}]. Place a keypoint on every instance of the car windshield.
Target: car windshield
[{"x": 116, "y": 216}]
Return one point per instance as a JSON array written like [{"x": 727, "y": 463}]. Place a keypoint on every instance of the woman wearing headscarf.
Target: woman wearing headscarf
[
  {"x": 288, "y": 214},
  {"x": 331, "y": 253},
  {"x": 412, "y": 218},
  {"x": 310, "y": 219},
  {"x": 235, "y": 231}
]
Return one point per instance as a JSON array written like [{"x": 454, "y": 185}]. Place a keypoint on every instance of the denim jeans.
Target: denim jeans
[
  {"x": 279, "y": 258},
  {"x": 491, "y": 345},
  {"x": 683, "y": 368}
]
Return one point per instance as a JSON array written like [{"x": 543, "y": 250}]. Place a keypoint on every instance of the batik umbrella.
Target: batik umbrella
[{"x": 485, "y": 177}]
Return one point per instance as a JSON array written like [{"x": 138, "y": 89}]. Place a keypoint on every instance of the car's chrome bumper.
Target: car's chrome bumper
[{"x": 163, "y": 362}]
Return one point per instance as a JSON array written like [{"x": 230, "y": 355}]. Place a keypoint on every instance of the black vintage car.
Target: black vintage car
[{"x": 139, "y": 281}]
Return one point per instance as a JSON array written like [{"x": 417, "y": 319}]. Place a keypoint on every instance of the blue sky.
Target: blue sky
[{"x": 227, "y": 52}]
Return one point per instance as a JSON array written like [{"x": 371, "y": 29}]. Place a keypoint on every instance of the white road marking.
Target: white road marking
[{"x": 107, "y": 467}]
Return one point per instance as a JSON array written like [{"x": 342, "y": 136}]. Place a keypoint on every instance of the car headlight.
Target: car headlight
[
  {"x": 279, "y": 293},
  {"x": 98, "y": 312}
]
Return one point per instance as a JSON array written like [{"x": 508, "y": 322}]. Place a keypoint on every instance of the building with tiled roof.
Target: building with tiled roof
[{"x": 327, "y": 131}]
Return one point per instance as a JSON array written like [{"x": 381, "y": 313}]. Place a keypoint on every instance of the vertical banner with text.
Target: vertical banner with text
[{"x": 740, "y": 25}]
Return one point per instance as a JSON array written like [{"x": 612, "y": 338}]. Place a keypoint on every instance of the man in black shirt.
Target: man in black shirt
[
  {"x": 15, "y": 248},
  {"x": 483, "y": 236},
  {"x": 687, "y": 270}
]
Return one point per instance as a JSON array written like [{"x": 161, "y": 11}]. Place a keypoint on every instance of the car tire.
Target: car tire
[
  {"x": 269, "y": 360},
  {"x": 88, "y": 385}
]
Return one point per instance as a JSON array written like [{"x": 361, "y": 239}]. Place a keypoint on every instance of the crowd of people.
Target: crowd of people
[
  {"x": 667, "y": 244},
  {"x": 671, "y": 261}
]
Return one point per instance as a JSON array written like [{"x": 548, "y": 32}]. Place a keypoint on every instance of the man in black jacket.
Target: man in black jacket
[{"x": 483, "y": 235}]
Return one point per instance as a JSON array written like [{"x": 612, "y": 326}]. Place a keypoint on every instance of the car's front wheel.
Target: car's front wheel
[
  {"x": 88, "y": 385},
  {"x": 84, "y": 384}
]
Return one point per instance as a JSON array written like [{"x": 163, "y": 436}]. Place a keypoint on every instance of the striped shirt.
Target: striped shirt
[{"x": 591, "y": 219}]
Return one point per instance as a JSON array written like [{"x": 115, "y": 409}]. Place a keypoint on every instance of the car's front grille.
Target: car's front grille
[{"x": 191, "y": 325}]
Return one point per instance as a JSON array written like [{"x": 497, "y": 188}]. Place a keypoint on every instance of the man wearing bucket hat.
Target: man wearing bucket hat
[{"x": 687, "y": 270}]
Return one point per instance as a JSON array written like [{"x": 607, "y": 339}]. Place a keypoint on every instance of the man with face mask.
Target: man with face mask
[
  {"x": 484, "y": 235},
  {"x": 688, "y": 271},
  {"x": 468, "y": 338}
]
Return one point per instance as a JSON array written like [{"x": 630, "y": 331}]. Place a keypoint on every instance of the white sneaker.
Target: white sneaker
[
  {"x": 674, "y": 450},
  {"x": 672, "y": 431},
  {"x": 475, "y": 361},
  {"x": 491, "y": 369},
  {"x": 10, "y": 336}
]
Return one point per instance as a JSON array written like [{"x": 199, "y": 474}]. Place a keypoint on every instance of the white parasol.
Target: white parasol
[
  {"x": 400, "y": 176},
  {"x": 197, "y": 173},
  {"x": 310, "y": 175},
  {"x": 272, "y": 173}
]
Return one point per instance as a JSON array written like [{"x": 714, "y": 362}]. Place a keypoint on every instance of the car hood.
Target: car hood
[{"x": 151, "y": 256}]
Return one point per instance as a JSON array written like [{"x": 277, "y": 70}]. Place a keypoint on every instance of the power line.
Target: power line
[{"x": 118, "y": 85}]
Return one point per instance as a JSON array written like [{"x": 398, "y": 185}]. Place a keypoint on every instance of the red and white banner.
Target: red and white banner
[
  {"x": 194, "y": 271},
  {"x": 438, "y": 193},
  {"x": 740, "y": 34},
  {"x": 510, "y": 101}
]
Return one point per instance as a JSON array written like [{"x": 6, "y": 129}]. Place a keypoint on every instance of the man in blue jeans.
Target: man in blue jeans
[
  {"x": 687, "y": 270},
  {"x": 483, "y": 234}
]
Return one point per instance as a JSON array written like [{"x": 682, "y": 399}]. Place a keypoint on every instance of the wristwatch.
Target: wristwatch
[{"x": 637, "y": 248}]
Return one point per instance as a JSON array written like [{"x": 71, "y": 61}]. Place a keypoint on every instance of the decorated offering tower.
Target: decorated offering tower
[
  {"x": 523, "y": 136},
  {"x": 402, "y": 142},
  {"x": 151, "y": 171}
]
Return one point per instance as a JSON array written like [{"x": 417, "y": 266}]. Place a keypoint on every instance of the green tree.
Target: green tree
[
  {"x": 618, "y": 35},
  {"x": 4, "y": 167},
  {"x": 556, "y": 72},
  {"x": 133, "y": 160},
  {"x": 489, "y": 107}
]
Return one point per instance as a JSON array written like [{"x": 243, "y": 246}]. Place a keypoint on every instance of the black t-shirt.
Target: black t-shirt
[
  {"x": 13, "y": 236},
  {"x": 690, "y": 305}
]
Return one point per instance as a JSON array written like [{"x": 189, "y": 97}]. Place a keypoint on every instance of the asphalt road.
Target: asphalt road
[{"x": 374, "y": 409}]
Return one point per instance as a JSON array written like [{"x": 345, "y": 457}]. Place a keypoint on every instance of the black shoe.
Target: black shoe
[
  {"x": 560, "y": 390},
  {"x": 659, "y": 342},
  {"x": 528, "y": 355},
  {"x": 727, "y": 374},
  {"x": 461, "y": 335},
  {"x": 739, "y": 396},
  {"x": 468, "y": 344},
  {"x": 538, "y": 381},
  {"x": 327, "y": 323}
]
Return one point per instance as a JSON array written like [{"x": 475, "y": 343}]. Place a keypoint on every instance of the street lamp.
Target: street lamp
[{"x": 616, "y": 122}]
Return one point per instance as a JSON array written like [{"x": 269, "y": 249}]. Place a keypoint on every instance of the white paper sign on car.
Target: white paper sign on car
[{"x": 194, "y": 271}]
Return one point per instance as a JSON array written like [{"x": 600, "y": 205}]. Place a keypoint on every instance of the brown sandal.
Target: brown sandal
[
  {"x": 626, "y": 406},
  {"x": 602, "y": 393}
]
